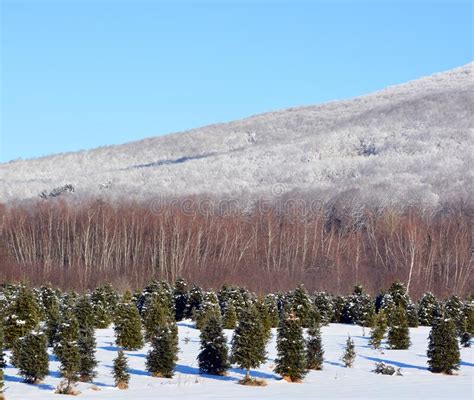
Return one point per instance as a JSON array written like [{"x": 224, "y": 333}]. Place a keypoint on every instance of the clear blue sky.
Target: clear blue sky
[{"x": 81, "y": 74}]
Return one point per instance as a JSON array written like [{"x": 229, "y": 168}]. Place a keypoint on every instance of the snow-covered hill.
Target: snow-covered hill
[
  {"x": 333, "y": 382},
  {"x": 411, "y": 142}
]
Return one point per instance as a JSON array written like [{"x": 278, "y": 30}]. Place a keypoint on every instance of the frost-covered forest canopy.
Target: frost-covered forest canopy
[{"x": 410, "y": 143}]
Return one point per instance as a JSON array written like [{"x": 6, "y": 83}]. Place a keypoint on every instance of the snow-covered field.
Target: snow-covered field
[{"x": 334, "y": 382}]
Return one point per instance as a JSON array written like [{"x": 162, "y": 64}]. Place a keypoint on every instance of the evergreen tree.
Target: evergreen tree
[
  {"x": 101, "y": 300},
  {"x": 209, "y": 308},
  {"x": 156, "y": 313},
  {"x": 359, "y": 308},
  {"x": 3, "y": 363},
  {"x": 399, "y": 334},
  {"x": 21, "y": 317},
  {"x": 443, "y": 350},
  {"x": 84, "y": 311},
  {"x": 454, "y": 309},
  {"x": 300, "y": 302},
  {"x": 87, "y": 348},
  {"x": 33, "y": 359},
  {"x": 248, "y": 342},
  {"x": 67, "y": 350},
  {"x": 412, "y": 315},
  {"x": 120, "y": 371},
  {"x": 52, "y": 320},
  {"x": 128, "y": 325},
  {"x": 272, "y": 306},
  {"x": 264, "y": 317},
  {"x": 338, "y": 302},
  {"x": 325, "y": 306},
  {"x": 349, "y": 355},
  {"x": 195, "y": 300},
  {"x": 180, "y": 298},
  {"x": 428, "y": 309},
  {"x": 229, "y": 320},
  {"x": 379, "y": 329},
  {"x": 399, "y": 295},
  {"x": 2, "y": 384},
  {"x": 291, "y": 358},
  {"x": 314, "y": 345},
  {"x": 161, "y": 359},
  {"x": 465, "y": 332},
  {"x": 213, "y": 358}
]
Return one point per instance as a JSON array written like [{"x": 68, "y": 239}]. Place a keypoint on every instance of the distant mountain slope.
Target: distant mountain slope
[{"x": 410, "y": 142}]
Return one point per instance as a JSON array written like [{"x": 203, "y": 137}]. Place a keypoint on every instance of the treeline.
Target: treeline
[
  {"x": 34, "y": 319},
  {"x": 266, "y": 247}
]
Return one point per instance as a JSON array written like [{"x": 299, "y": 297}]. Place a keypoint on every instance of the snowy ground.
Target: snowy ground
[{"x": 334, "y": 382}]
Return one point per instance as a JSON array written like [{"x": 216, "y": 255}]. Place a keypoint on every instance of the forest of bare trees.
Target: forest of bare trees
[{"x": 265, "y": 249}]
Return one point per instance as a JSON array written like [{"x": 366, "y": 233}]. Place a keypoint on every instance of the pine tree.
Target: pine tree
[
  {"x": 314, "y": 345},
  {"x": 180, "y": 298},
  {"x": 195, "y": 300},
  {"x": 84, "y": 311},
  {"x": 325, "y": 306},
  {"x": 120, "y": 371},
  {"x": 291, "y": 358},
  {"x": 300, "y": 302},
  {"x": 428, "y": 309},
  {"x": 2, "y": 384},
  {"x": 248, "y": 342},
  {"x": 67, "y": 350},
  {"x": 272, "y": 306},
  {"x": 359, "y": 308},
  {"x": 229, "y": 320},
  {"x": 412, "y": 315},
  {"x": 87, "y": 348},
  {"x": 33, "y": 359},
  {"x": 156, "y": 312},
  {"x": 454, "y": 309},
  {"x": 378, "y": 330},
  {"x": 264, "y": 317},
  {"x": 399, "y": 334},
  {"x": 52, "y": 321},
  {"x": 3, "y": 363},
  {"x": 213, "y": 358},
  {"x": 161, "y": 359},
  {"x": 349, "y": 355},
  {"x": 128, "y": 325},
  {"x": 21, "y": 317},
  {"x": 209, "y": 308},
  {"x": 443, "y": 350}
]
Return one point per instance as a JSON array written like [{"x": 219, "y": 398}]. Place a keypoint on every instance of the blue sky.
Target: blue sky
[{"x": 81, "y": 74}]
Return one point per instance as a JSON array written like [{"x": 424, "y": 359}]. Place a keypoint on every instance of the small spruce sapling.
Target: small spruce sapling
[
  {"x": 120, "y": 371},
  {"x": 349, "y": 355}
]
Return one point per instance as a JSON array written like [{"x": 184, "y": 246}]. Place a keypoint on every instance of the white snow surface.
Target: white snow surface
[
  {"x": 333, "y": 382},
  {"x": 407, "y": 143}
]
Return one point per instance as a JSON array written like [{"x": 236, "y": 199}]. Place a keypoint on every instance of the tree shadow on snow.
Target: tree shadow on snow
[
  {"x": 256, "y": 374},
  {"x": 186, "y": 369},
  {"x": 131, "y": 371},
  {"x": 41, "y": 386},
  {"x": 109, "y": 348},
  {"x": 335, "y": 363},
  {"x": 187, "y": 325},
  {"x": 463, "y": 363},
  {"x": 395, "y": 363}
]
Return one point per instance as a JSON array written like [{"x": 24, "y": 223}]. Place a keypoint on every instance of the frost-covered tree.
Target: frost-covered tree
[
  {"x": 181, "y": 295},
  {"x": 300, "y": 302},
  {"x": 379, "y": 329},
  {"x": 84, "y": 311},
  {"x": 325, "y": 306},
  {"x": 349, "y": 355},
  {"x": 156, "y": 313},
  {"x": 32, "y": 358},
  {"x": 120, "y": 371},
  {"x": 213, "y": 358},
  {"x": 196, "y": 297},
  {"x": 412, "y": 315},
  {"x": 67, "y": 350},
  {"x": 338, "y": 302},
  {"x": 454, "y": 309},
  {"x": 248, "y": 342},
  {"x": 291, "y": 357},
  {"x": 398, "y": 333},
  {"x": 87, "y": 349},
  {"x": 21, "y": 316},
  {"x": 314, "y": 345},
  {"x": 265, "y": 316},
  {"x": 443, "y": 350},
  {"x": 128, "y": 325},
  {"x": 428, "y": 309},
  {"x": 161, "y": 359},
  {"x": 359, "y": 308},
  {"x": 209, "y": 308}
]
